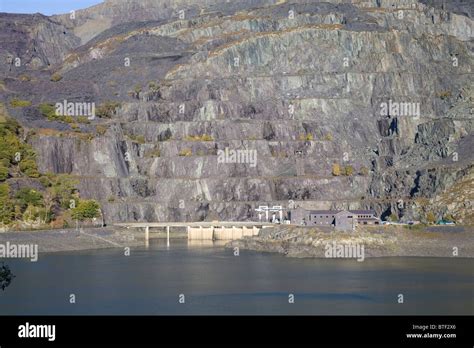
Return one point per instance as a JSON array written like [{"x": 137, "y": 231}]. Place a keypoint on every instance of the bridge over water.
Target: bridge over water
[{"x": 204, "y": 230}]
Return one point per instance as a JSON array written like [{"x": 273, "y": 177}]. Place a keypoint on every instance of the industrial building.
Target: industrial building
[{"x": 340, "y": 219}]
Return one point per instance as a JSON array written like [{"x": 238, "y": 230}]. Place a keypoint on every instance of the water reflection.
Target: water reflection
[{"x": 216, "y": 281}]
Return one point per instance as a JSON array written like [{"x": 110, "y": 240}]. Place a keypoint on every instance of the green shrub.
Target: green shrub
[
  {"x": 34, "y": 213},
  {"x": 68, "y": 119},
  {"x": 348, "y": 170},
  {"x": 9, "y": 125},
  {"x": 152, "y": 86},
  {"x": 185, "y": 152},
  {"x": 25, "y": 78},
  {"x": 13, "y": 151},
  {"x": 10, "y": 145},
  {"x": 4, "y": 191},
  {"x": 306, "y": 137},
  {"x": 140, "y": 139},
  {"x": 45, "y": 181},
  {"x": 3, "y": 173},
  {"x": 19, "y": 103},
  {"x": 107, "y": 109},
  {"x": 63, "y": 189},
  {"x": 86, "y": 210},
  {"x": 56, "y": 77},
  {"x": 83, "y": 120},
  {"x": 445, "y": 95},
  {"x": 101, "y": 130},
  {"x": 28, "y": 167},
  {"x": 430, "y": 218},
  {"x": 449, "y": 218},
  {"x": 27, "y": 196},
  {"x": 7, "y": 208},
  {"x": 279, "y": 154},
  {"x": 203, "y": 137},
  {"x": 328, "y": 137},
  {"x": 48, "y": 111}
]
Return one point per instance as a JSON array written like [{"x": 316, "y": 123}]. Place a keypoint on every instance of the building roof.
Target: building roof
[
  {"x": 334, "y": 212},
  {"x": 362, "y": 212},
  {"x": 345, "y": 212},
  {"x": 331, "y": 212}
]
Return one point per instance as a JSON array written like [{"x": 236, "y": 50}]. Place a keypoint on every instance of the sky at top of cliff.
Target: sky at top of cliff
[{"x": 46, "y": 7}]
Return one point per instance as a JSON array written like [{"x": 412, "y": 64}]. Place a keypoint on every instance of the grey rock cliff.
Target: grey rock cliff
[{"x": 301, "y": 83}]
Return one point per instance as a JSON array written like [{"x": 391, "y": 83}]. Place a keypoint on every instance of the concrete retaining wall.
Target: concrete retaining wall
[
  {"x": 200, "y": 233},
  {"x": 220, "y": 233}
]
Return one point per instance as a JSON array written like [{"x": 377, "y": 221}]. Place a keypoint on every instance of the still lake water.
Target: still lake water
[{"x": 214, "y": 281}]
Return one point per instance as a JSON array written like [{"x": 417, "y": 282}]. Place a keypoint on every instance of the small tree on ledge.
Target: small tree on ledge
[
  {"x": 393, "y": 217},
  {"x": 348, "y": 170},
  {"x": 86, "y": 210},
  {"x": 430, "y": 217}
]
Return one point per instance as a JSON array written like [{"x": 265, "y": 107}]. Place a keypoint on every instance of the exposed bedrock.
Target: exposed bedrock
[{"x": 382, "y": 93}]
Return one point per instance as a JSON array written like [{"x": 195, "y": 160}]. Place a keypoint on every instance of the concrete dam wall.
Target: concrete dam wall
[{"x": 221, "y": 233}]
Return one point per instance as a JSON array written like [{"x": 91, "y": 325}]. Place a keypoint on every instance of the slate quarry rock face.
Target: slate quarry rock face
[{"x": 382, "y": 89}]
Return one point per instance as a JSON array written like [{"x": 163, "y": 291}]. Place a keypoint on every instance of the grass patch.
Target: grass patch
[
  {"x": 203, "y": 137},
  {"x": 153, "y": 153},
  {"x": 19, "y": 103},
  {"x": 306, "y": 137},
  {"x": 101, "y": 130},
  {"x": 444, "y": 95},
  {"x": 49, "y": 111},
  {"x": 140, "y": 139},
  {"x": 328, "y": 137},
  {"x": 107, "y": 109},
  {"x": 186, "y": 153}
]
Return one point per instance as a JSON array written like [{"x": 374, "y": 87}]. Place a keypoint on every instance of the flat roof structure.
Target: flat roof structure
[{"x": 194, "y": 224}]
